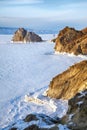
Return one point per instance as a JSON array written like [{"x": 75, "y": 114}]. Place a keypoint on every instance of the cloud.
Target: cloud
[
  {"x": 71, "y": 11},
  {"x": 20, "y": 2},
  {"x": 28, "y": 1}
]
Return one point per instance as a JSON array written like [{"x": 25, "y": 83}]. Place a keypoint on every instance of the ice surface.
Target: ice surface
[{"x": 27, "y": 69}]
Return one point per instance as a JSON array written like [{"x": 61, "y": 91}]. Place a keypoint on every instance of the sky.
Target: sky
[{"x": 43, "y": 12}]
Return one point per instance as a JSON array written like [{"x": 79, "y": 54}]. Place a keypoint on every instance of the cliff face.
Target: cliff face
[
  {"x": 21, "y": 35},
  {"x": 68, "y": 41},
  {"x": 68, "y": 83}
]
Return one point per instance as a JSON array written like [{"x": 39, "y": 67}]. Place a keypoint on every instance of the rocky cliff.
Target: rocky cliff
[
  {"x": 68, "y": 83},
  {"x": 72, "y": 41},
  {"x": 71, "y": 85},
  {"x": 22, "y": 35},
  {"x": 76, "y": 117}
]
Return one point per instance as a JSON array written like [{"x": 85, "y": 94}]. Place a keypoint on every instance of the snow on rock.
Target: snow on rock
[{"x": 76, "y": 116}]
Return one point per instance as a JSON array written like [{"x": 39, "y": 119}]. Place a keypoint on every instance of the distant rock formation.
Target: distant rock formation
[
  {"x": 70, "y": 82},
  {"x": 72, "y": 41},
  {"x": 21, "y": 35},
  {"x": 76, "y": 117}
]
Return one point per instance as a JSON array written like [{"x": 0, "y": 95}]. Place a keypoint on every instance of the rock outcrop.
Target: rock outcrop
[
  {"x": 68, "y": 83},
  {"x": 21, "y": 35},
  {"x": 32, "y": 119},
  {"x": 72, "y": 41},
  {"x": 76, "y": 117},
  {"x": 44, "y": 118}
]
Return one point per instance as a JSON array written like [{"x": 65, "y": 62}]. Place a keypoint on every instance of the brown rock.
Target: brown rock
[
  {"x": 35, "y": 127},
  {"x": 81, "y": 46},
  {"x": 84, "y": 30},
  {"x": 32, "y": 120},
  {"x": 68, "y": 83},
  {"x": 32, "y": 127},
  {"x": 44, "y": 118},
  {"x": 72, "y": 41},
  {"x": 21, "y": 35},
  {"x": 76, "y": 117},
  {"x": 31, "y": 117}
]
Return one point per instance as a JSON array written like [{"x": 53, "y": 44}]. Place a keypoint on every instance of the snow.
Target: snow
[
  {"x": 27, "y": 69},
  {"x": 80, "y": 102},
  {"x": 62, "y": 127}
]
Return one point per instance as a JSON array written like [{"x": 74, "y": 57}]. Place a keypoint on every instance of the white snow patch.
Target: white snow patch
[
  {"x": 63, "y": 127},
  {"x": 70, "y": 116},
  {"x": 80, "y": 102}
]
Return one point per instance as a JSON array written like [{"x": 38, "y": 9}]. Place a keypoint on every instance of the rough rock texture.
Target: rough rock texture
[
  {"x": 68, "y": 83},
  {"x": 68, "y": 41},
  {"x": 35, "y": 127},
  {"x": 76, "y": 117},
  {"x": 84, "y": 30},
  {"x": 36, "y": 122},
  {"x": 34, "y": 117},
  {"x": 21, "y": 35}
]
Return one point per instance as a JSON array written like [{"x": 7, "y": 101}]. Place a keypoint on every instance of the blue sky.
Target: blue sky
[{"x": 25, "y": 12}]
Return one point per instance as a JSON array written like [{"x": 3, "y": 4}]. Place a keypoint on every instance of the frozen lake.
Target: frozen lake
[{"x": 27, "y": 68}]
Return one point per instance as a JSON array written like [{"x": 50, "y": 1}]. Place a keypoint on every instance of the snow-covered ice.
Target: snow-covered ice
[{"x": 27, "y": 69}]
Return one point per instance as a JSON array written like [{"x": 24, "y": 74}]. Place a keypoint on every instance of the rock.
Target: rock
[
  {"x": 70, "y": 82},
  {"x": 31, "y": 117},
  {"x": 13, "y": 129},
  {"x": 35, "y": 127},
  {"x": 84, "y": 30},
  {"x": 44, "y": 118},
  {"x": 81, "y": 46},
  {"x": 32, "y": 127},
  {"x": 72, "y": 41},
  {"x": 36, "y": 122},
  {"x": 32, "y": 37},
  {"x": 76, "y": 117},
  {"x": 21, "y": 35}
]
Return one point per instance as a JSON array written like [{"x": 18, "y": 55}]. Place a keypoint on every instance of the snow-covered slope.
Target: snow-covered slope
[{"x": 28, "y": 69}]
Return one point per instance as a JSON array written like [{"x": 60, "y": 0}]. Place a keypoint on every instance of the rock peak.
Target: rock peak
[
  {"x": 22, "y": 35},
  {"x": 71, "y": 41}
]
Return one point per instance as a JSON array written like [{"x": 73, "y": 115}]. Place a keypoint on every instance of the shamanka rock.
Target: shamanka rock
[
  {"x": 72, "y": 41},
  {"x": 21, "y": 35},
  {"x": 70, "y": 82}
]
